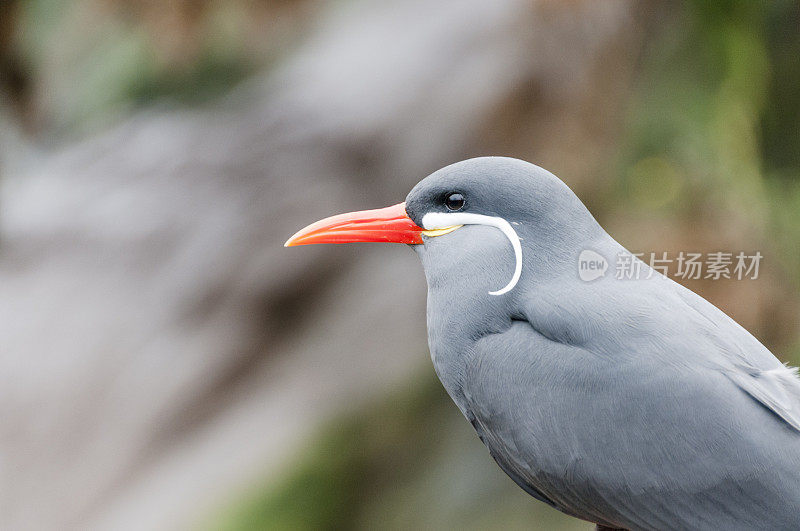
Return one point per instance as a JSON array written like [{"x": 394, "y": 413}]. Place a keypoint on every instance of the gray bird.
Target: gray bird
[{"x": 631, "y": 403}]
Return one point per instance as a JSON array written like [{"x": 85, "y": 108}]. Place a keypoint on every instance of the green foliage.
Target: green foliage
[{"x": 715, "y": 114}]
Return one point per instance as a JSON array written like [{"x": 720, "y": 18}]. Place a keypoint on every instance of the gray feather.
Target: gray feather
[{"x": 628, "y": 403}]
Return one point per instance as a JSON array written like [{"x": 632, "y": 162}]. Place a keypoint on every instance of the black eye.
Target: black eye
[{"x": 454, "y": 201}]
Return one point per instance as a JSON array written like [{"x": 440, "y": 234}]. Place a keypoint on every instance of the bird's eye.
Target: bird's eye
[{"x": 454, "y": 201}]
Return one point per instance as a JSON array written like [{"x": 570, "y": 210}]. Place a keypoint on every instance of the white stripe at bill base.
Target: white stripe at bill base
[{"x": 443, "y": 220}]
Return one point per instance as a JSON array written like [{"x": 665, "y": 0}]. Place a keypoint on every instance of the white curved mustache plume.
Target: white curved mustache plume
[{"x": 442, "y": 220}]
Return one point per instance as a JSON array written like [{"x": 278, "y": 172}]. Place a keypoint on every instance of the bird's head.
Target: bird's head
[{"x": 482, "y": 219}]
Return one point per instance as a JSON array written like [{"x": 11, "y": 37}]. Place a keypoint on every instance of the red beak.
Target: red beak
[{"x": 390, "y": 224}]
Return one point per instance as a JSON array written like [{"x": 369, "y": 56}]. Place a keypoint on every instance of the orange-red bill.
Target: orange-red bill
[{"x": 390, "y": 224}]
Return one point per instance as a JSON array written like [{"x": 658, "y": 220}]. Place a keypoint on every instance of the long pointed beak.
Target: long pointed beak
[{"x": 390, "y": 224}]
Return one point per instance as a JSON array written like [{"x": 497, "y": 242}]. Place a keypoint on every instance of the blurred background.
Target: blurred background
[{"x": 166, "y": 364}]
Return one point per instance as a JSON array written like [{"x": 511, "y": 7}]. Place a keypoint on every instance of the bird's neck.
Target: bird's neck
[{"x": 461, "y": 312}]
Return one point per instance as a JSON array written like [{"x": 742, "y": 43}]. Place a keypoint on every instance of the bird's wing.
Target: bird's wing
[
  {"x": 778, "y": 390},
  {"x": 747, "y": 363},
  {"x": 640, "y": 444}
]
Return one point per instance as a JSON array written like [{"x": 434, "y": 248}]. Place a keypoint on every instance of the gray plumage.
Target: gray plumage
[{"x": 629, "y": 403}]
